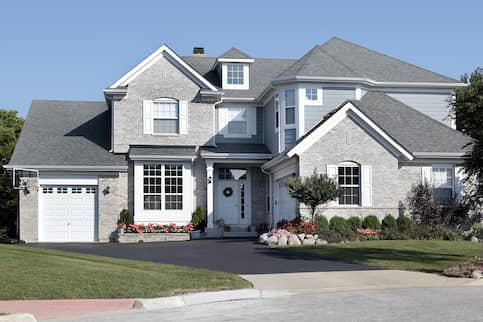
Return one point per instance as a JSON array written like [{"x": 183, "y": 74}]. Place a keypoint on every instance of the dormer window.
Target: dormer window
[{"x": 235, "y": 74}]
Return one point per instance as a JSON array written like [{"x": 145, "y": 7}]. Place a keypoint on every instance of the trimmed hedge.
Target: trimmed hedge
[
  {"x": 354, "y": 223},
  {"x": 338, "y": 224},
  {"x": 389, "y": 223},
  {"x": 404, "y": 225},
  {"x": 371, "y": 222},
  {"x": 321, "y": 222}
]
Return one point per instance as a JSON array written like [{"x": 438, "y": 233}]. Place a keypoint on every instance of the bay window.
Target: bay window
[{"x": 163, "y": 186}]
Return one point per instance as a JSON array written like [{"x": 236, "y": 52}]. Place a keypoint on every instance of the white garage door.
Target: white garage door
[{"x": 67, "y": 213}]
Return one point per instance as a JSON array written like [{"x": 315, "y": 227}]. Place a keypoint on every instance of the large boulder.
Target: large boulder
[
  {"x": 474, "y": 239},
  {"x": 263, "y": 237},
  {"x": 476, "y": 275},
  {"x": 321, "y": 242},
  {"x": 310, "y": 236},
  {"x": 309, "y": 241},
  {"x": 282, "y": 241},
  {"x": 301, "y": 236},
  {"x": 272, "y": 240},
  {"x": 293, "y": 241}
]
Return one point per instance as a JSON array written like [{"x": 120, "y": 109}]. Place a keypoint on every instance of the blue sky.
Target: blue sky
[{"x": 73, "y": 49}]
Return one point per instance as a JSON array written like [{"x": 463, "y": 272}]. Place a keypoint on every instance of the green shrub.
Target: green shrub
[
  {"x": 435, "y": 232},
  {"x": 393, "y": 234},
  {"x": 198, "y": 218},
  {"x": 338, "y": 224},
  {"x": 477, "y": 230},
  {"x": 354, "y": 223},
  {"x": 321, "y": 222},
  {"x": 332, "y": 236},
  {"x": 389, "y": 223},
  {"x": 125, "y": 217},
  {"x": 371, "y": 222},
  {"x": 404, "y": 225}
]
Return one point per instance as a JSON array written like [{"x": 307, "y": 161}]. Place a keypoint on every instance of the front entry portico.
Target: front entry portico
[{"x": 237, "y": 193}]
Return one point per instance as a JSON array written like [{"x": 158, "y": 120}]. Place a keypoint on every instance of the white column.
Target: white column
[{"x": 209, "y": 194}]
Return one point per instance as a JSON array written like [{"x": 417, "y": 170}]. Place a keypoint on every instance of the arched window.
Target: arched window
[
  {"x": 165, "y": 116},
  {"x": 348, "y": 176}
]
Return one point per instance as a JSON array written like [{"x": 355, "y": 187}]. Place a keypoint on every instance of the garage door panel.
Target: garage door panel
[{"x": 68, "y": 213}]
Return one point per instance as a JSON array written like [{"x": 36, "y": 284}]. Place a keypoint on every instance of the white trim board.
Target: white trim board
[
  {"x": 70, "y": 180},
  {"x": 335, "y": 119},
  {"x": 151, "y": 60}
]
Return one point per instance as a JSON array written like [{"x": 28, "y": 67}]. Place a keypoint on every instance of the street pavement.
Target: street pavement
[{"x": 416, "y": 304}]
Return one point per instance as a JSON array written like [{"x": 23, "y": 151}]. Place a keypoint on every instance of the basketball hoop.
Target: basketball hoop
[{"x": 22, "y": 179}]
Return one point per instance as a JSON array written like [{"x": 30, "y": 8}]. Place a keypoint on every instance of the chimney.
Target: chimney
[{"x": 199, "y": 52}]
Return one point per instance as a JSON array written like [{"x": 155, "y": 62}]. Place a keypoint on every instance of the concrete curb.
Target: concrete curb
[
  {"x": 196, "y": 298},
  {"x": 21, "y": 317}
]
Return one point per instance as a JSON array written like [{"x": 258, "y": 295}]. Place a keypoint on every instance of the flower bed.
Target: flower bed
[{"x": 138, "y": 233}]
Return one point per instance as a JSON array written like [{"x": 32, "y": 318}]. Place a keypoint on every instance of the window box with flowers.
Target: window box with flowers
[{"x": 145, "y": 233}]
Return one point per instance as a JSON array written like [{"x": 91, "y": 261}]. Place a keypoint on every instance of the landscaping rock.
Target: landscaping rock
[
  {"x": 282, "y": 241},
  {"x": 316, "y": 236},
  {"x": 321, "y": 242},
  {"x": 309, "y": 236},
  {"x": 474, "y": 239},
  {"x": 272, "y": 240},
  {"x": 310, "y": 241},
  {"x": 263, "y": 237},
  {"x": 476, "y": 275},
  {"x": 293, "y": 241},
  {"x": 301, "y": 236}
]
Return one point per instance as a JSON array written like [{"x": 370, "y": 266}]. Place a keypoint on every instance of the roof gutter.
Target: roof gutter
[
  {"x": 439, "y": 155},
  {"x": 366, "y": 81},
  {"x": 69, "y": 167}
]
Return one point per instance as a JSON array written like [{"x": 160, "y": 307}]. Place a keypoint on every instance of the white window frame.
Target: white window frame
[
  {"x": 358, "y": 186},
  {"x": 241, "y": 110},
  {"x": 448, "y": 168},
  {"x": 162, "y": 216},
  {"x": 291, "y": 126},
  {"x": 318, "y": 100},
  {"x": 166, "y": 100},
  {"x": 224, "y": 76},
  {"x": 277, "y": 113}
]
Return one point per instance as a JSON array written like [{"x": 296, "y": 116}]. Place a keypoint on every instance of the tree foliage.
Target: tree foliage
[
  {"x": 468, "y": 109},
  {"x": 10, "y": 127},
  {"x": 313, "y": 191}
]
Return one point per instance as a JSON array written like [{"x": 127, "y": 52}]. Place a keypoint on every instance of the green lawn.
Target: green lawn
[
  {"x": 33, "y": 273},
  {"x": 431, "y": 256}
]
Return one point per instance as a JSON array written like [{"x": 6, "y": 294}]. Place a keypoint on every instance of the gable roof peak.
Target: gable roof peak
[{"x": 235, "y": 53}]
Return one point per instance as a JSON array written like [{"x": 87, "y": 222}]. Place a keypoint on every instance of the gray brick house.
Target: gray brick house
[{"x": 225, "y": 133}]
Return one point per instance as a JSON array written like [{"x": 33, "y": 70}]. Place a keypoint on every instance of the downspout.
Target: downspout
[{"x": 214, "y": 119}]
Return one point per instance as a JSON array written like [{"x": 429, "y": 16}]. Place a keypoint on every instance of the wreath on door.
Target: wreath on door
[{"x": 227, "y": 192}]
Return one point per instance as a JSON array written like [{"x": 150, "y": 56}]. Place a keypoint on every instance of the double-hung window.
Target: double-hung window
[
  {"x": 290, "y": 132},
  {"x": 277, "y": 112},
  {"x": 235, "y": 75},
  {"x": 348, "y": 177},
  {"x": 237, "y": 121},
  {"x": 165, "y": 116},
  {"x": 442, "y": 177},
  {"x": 163, "y": 186}
]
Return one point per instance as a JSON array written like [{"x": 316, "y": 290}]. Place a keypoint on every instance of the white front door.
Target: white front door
[
  {"x": 232, "y": 199},
  {"x": 285, "y": 206},
  {"x": 67, "y": 213}
]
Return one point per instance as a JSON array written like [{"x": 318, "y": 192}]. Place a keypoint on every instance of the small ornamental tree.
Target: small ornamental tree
[{"x": 313, "y": 191}]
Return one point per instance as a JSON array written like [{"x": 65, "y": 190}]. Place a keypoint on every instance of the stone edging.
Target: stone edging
[
  {"x": 196, "y": 298},
  {"x": 150, "y": 237},
  {"x": 19, "y": 317}
]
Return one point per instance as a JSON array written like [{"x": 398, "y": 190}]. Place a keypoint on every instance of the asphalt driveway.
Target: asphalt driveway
[{"x": 239, "y": 256}]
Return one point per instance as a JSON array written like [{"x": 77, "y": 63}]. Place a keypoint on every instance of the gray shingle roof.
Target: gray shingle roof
[
  {"x": 414, "y": 130},
  {"x": 340, "y": 58},
  {"x": 235, "y": 53},
  {"x": 65, "y": 133},
  {"x": 165, "y": 150},
  {"x": 237, "y": 148},
  {"x": 262, "y": 71}
]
